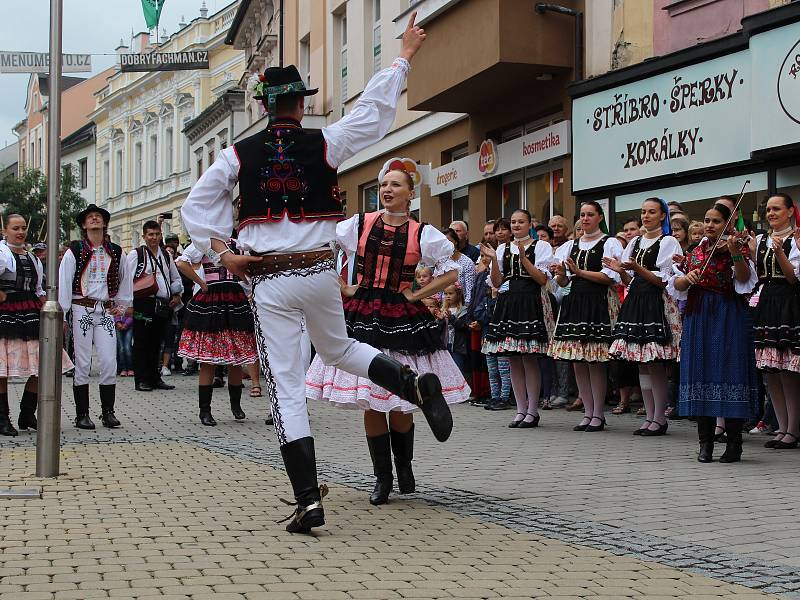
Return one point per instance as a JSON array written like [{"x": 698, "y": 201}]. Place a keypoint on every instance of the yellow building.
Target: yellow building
[{"x": 145, "y": 166}]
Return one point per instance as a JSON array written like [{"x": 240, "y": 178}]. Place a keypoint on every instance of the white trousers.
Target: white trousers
[
  {"x": 94, "y": 327},
  {"x": 282, "y": 301}
]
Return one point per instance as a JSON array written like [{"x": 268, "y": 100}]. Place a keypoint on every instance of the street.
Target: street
[{"x": 167, "y": 508}]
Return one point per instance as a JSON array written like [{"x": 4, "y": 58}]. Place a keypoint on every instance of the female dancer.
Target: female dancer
[
  {"x": 523, "y": 318},
  {"x": 587, "y": 314},
  {"x": 20, "y": 292},
  {"x": 217, "y": 330},
  {"x": 718, "y": 371},
  {"x": 383, "y": 311},
  {"x": 777, "y": 317},
  {"x": 647, "y": 331},
  {"x": 499, "y": 366}
]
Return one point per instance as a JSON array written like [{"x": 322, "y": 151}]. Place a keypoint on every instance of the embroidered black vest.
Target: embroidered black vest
[
  {"x": 512, "y": 269},
  {"x": 588, "y": 260},
  {"x": 82, "y": 251},
  {"x": 283, "y": 172},
  {"x": 647, "y": 257},
  {"x": 767, "y": 267}
]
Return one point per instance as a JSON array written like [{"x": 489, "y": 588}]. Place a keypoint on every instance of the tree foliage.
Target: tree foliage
[{"x": 27, "y": 195}]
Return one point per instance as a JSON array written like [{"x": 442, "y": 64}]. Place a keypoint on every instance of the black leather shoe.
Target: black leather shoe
[
  {"x": 301, "y": 467},
  {"x": 83, "y": 422},
  {"x": 642, "y": 429},
  {"x": 592, "y": 428},
  {"x": 771, "y": 443},
  {"x": 206, "y": 419},
  {"x": 515, "y": 424},
  {"x": 6, "y": 428},
  {"x": 529, "y": 424},
  {"x": 706, "y": 454},
  {"x": 109, "y": 419},
  {"x": 662, "y": 430},
  {"x": 161, "y": 385},
  {"x": 782, "y": 445},
  {"x": 144, "y": 387},
  {"x": 582, "y": 426}
]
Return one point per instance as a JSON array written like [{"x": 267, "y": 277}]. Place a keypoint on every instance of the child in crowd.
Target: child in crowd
[
  {"x": 455, "y": 312},
  {"x": 124, "y": 325},
  {"x": 695, "y": 232},
  {"x": 422, "y": 277}
]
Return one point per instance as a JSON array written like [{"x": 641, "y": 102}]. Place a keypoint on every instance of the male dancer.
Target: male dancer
[
  {"x": 95, "y": 284},
  {"x": 287, "y": 219}
]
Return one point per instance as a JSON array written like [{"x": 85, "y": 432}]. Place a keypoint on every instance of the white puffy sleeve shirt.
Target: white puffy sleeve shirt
[
  {"x": 208, "y": 211},
  {"x": 668, "y": 248},
  {"x": 611, "y": 249},
  {"x": 543, "y": 256}
]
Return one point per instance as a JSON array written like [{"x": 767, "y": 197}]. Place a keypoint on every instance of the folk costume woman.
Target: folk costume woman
[
  {"x": 718, "y": 369},
  {"x": 648, "y": 330},
  {"x": 217, "y": 330},
  {"x": 20, "y": 293},
  {"x": 777, "y": 316},
  {"x": 382, "y": 310},
  {"x": 587, "y": 315},
  {"x": 522, "y": 321}
]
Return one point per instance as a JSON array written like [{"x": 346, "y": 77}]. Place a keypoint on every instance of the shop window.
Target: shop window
[
  {"x": 370, "y": 198},
  {"x": 512, "y": 194},
  {"x": 788, "y": 182},
  {"x": 459, "y": 199}
]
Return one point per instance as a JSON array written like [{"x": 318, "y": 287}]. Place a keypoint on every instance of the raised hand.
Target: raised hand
[
  {"x": 488, "y": 252},
  {"x": 413, "y": 37}
]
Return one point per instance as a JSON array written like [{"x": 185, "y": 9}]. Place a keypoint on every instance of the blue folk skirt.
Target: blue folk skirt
[{"x": 718, "y": 363}]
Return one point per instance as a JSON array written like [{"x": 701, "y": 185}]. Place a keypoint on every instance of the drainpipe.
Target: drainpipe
[
  {"x": 542, "y": 7},
  {"x": 280, "y": 36}
]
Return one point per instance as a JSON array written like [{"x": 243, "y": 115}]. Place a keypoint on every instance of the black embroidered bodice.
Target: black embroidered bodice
[{"x": 767, "y": 267}]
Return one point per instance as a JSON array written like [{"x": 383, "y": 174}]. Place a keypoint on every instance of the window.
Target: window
[
  {"x": 33, "y": 152},
  {"x": 376, "y": 36},
  {"x": 83, "y": 171},
  {"x": 118, "y": 182},
  {"x": 305, "y": 60},
  {"x": 210, "y": 153},
  {"x": 22, "y": 161},
  {"x": 199, "y": 162},
  {"x": 106, "y": 178},
  {"x": 370, "y": 198},
  {"x": 168, "y": 152},
  {"x": 186, "y": 151},
  {"x": 137, "y": 165},
  {"x": 39, "y": 156},
  {"x": 512, "y": 193},
  {"x": 153, "y": 170}
]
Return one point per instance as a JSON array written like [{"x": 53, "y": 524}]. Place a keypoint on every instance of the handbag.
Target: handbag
[{"x": 146, "y": 284}]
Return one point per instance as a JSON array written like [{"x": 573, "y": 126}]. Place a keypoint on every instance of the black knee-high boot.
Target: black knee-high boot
[
  {"x": 205, "y": 392},
  {"x": 733, "y": 449},
  {"x": 107, "y": 399},
  {"x": 705, "y": 435},
  {"x": 381, "y": 457},
  {"x": 81, "y": 394},
  {"x": 301, "y": 467},
  {"x": 424, "y": 391},
  {"x": 6, "y": 428},
  {"x": 27, "y": 410},
  {"x": 235, "y": 393},
  {"x": 403, "y": 450}
]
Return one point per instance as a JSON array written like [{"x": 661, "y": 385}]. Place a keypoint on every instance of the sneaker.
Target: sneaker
[
  {"x": 558, "y": 402},
  {"x": 760, "y": 427},
  {"x": 165, "y": 372}
]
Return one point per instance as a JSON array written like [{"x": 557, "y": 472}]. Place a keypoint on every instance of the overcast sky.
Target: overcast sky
[{"x": 90, "y": 26}]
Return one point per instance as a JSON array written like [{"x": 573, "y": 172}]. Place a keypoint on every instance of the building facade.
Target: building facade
[
  {"x": 703, "y": 121},
  {"x": 145, "y": 162}
]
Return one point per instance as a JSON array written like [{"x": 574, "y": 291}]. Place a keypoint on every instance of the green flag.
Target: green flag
[{"x": 152, "y": 12}]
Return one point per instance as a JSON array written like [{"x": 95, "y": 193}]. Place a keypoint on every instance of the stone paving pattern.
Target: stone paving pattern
[{"x": 174, "y": 509}]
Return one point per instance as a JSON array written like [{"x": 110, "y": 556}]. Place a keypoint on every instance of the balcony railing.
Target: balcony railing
[{"x": 154, "y": 192}]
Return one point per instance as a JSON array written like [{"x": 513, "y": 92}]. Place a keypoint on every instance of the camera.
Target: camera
[{"x": 166, "y": 216}]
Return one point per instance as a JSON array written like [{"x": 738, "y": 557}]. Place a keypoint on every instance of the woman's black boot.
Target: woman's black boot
[
  {"x": 403, "y": 450},
  {"x": 205, "y": 392},
  {"x": 705, "y": 434},
  {"x": 733, "y": 449},
  {"x": 380, "y": 452}
]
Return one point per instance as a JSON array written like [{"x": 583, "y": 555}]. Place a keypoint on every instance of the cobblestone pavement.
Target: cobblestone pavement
[{"x": 498, "y": 513}]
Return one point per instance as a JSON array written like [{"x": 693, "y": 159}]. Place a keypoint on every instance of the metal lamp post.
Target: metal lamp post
[{"x": 51, "y": 335}]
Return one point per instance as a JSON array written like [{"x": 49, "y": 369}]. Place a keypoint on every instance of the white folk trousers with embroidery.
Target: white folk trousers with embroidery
[
  {"x": 282, "y": 301},
  {"x": 94, "y": 327}
]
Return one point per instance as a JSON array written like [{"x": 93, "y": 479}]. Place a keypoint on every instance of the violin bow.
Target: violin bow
[{"x": 734, "y": 215}]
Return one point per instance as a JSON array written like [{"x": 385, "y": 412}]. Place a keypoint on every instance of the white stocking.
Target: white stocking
[
  {"x": 646, "y": 385},
  {"x": 584, "y": 382},
  {"x": 658, "y": 379},
  {"x": 776, "y": 396},
  {"x": 598, "y": 374},
  {"x": 791, "y": 392}
]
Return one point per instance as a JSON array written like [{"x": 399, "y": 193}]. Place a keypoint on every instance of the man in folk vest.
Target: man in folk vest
[
  {"x": 289, "y": 207},
  {"x": 152, "y": 314},
  {"x": 95, "y": 285}
]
